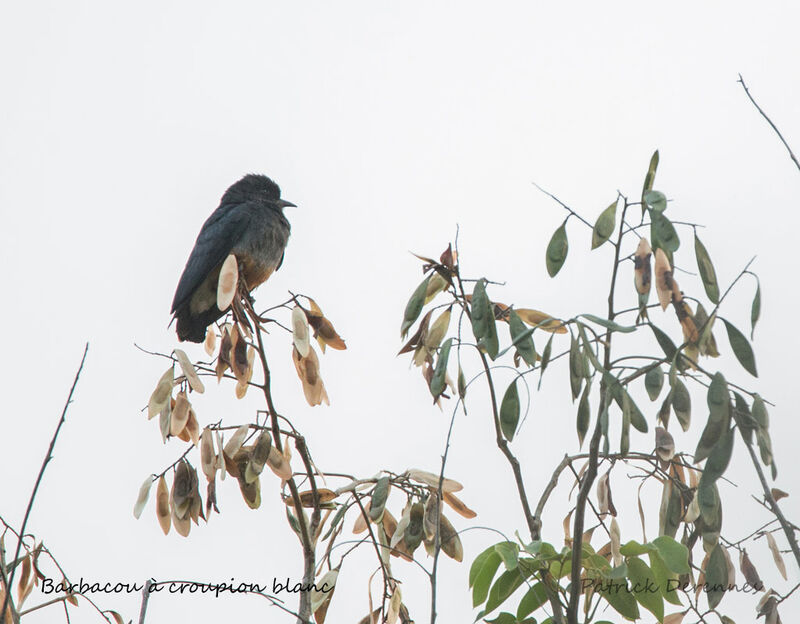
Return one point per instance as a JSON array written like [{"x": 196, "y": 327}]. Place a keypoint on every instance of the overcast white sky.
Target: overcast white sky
[{"x": 122, "y": 124}]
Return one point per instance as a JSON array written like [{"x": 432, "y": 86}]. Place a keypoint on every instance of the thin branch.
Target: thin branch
[
  {"x": 46, "y": 461},
  {"x": 572, "y": 213},
  {"x": 769, "y": 121},
  {"x": 145, "y": 598},
  {"x": 594, "y": 446},
  {"x": 774, "y": 508}
]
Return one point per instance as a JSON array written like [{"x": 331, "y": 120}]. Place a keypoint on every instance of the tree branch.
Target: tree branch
[
  {"x": 46, "y": 461},
  {"x": 769, "y": 121}
]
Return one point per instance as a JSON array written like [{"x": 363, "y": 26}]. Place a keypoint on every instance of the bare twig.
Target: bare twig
[
  {"x": 145, "y": 598},
  {"x": 769, "y": 121},
  {"x": 46, "y": 461},
  {"x": 787, "y": 527}
]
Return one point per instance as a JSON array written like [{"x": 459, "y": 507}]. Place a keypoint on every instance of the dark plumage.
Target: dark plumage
[{"x": 248, "y": 223}]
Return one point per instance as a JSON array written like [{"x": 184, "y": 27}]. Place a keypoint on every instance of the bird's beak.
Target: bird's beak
[{"x": 282, "y": 203}]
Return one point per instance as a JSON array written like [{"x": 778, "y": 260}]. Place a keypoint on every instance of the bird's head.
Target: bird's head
[{"x": 255, "y": 186}]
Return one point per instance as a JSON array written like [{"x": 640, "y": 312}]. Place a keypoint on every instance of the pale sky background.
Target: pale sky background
[{"x": 388, "y": 124}]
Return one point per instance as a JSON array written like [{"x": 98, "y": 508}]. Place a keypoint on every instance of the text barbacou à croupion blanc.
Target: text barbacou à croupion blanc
[{"x": 178, "y": 587}]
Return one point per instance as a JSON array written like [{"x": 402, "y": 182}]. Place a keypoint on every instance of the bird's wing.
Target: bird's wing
[{"x": 221, "y": 231}]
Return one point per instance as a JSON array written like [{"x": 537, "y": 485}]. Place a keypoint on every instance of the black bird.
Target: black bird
[{"x": 248, "y": 223}]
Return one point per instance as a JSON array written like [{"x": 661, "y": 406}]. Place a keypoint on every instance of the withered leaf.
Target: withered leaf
[
  {"x": 663, "y": 279},
  {"x": 279, "y": 464},
  {"x": 324, "y": 332},
  {"x": 210, "y": 343},
  {"x": 436, "y": 284},
  {"x": 543, "y": 320},
  {"x": 458, "y": 505},
  {"x": 258, "y": 457},
  {"x": 239, "y": 361},
  {"x": 180, "y": 414},
  {"x": 360, "y": 525},
  {"x": 642, "y": 270},
  {"x": 141, "y": 498},
  {"x": 161, "y": 395},
  {"x": 451, "y": 542},
  {"x": 307, "y": 497},
  {"x": 432, "y": 510},
  {"x": 308, "y": 372},
  {"x": 776, "y": 555},
  {"x": 749, "y": 571},
  {"x": 162, "y": 505},
  {"x": 322, "y": 593},
  {"x": 438, "y": 330},
  {"x": 235, "y": 442},
  {"x": 300, "y": 331},
  {"x": 228, "y": 281},
  {"x": 431, "y": 479},
  {"x": 208, "y": 461},
  {"x": 188, "y": 370},
  {"x": 181, "y": 490},
  {"x": 778, "y": 494},
  {"x": 665, "y": 444}
]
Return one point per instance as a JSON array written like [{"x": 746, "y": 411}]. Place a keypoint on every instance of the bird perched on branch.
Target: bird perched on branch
[{"x": 248, "y": 224}]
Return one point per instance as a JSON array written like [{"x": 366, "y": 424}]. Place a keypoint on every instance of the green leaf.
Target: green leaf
[
  {"x": 622, "y": 601},
  {"x": 609, "y": 324},
  {"x": 462, "y": 383},
  {"x": 481, "y": 574},
  {"x": 557, "y": 250},
  {"x": 681, "y": 403},
  {"x": 575, "y": 368},
  {"x": 604, "y": 226},
  {"x": 414, "y": 307},
  {"x": 644, "y": 587},
  {"x": 584, "y": 415},
  {"x": 741, "y": 349},
  {"x": 760, "y": 411},
  {"x": 378, "y": 500},
  {"x": 653, "y": 382},
  {"x": 755, "y": 310},
  {"x": 625, "y": 430},
  {"x": 656, "y": 200},
  {"x": 337, "y": 518},
  {"x": 649, "y": 179},
  {"x": 505, "y": 585},
  {"x": 490, "y": 344},
  {"x": 509, "y": 411},
  {"x": 481, "y": 310},
  {"x": 710, "y": 506},
  {"x": 663, "y": 233},
  {"x": 634, "y": 549},
  {"x": 666, "y": 581},
  {"x": 707, "y": 273},
  {"x": 521, "y": 338},
  {"x": 509, "y": 553},
  {"x": 719, "y": 407},
  {"x": 534, "y": 598},
  {"x": 637, "y": 418},
  {"x": 674, "y": 554},
  {"x": 587, "y": 349},
  {"x": 671, "y": 510},
  {"x": 665, "y": 342},
  {"x": 764, "y": 446},
  {"x": 718, "y": 459},
  {"x": 545, "y": 358},
  {"x": 483, "y": 323},
  {"x": 503, "y": 618},
  {"x": 716, "y": 576},
  {"x": 743, "y": 418},
  {"x": 440, "y": 371}
]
